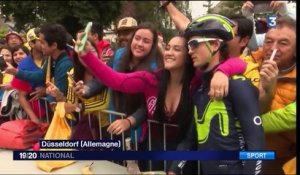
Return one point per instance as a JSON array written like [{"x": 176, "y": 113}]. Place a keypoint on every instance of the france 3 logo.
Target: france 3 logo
[{"x": 271, "y": 21}]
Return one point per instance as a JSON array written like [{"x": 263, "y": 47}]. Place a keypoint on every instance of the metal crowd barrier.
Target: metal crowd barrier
[
  {"x": 19, "y": 113},
  {"x": 118, "y": 115},
  {"x": 150, "y": 122}
]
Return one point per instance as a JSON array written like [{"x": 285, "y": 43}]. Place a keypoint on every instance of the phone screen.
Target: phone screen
[
  {"x": 3, "y": 64},
  {"x": 262, "y": 7},
  {"x": 84, "y": 37}
]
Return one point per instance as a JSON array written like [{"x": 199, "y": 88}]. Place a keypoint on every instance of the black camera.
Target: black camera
[
  {"x": 3, "y": 64},
  {"x": 262, "y": 7}
]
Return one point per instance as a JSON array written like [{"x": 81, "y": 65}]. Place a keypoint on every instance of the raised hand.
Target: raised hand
[
  {"x": 6, "y": 86},
  {"x": 38, "y": 93},
  {"x": 161, "y": 44},
  {"x": 10, "y": 69},
  {"x": 277, "y": 5},
  {"x": 53, "y": 91},
  {"x": 80, "y": 89},
  {"x": 268, "y": 75},
  {"x": 119, "y": 126},
  {"x": 163, "y": 3},
  {"x": 218, "y": 86},
  {"x": 247, "y": 8},
  {"x": 69, "y": 107},
  {"x": 88, "y": 46}
]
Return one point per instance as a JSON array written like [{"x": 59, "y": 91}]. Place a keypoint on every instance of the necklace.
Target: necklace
[{"x": 284, "y": 71}]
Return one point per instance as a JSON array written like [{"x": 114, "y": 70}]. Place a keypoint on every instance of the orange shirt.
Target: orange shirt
[{"x": 284, "y": 142}]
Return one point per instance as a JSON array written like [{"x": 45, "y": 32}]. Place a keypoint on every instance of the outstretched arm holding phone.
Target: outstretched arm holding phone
[{"x": 180, "y": 20}]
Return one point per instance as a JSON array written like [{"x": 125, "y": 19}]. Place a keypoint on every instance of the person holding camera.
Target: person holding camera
[{"x": 251, "y": 9}]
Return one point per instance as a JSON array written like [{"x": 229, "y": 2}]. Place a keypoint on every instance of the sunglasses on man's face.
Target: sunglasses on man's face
[{"x": 194, "y": 43}]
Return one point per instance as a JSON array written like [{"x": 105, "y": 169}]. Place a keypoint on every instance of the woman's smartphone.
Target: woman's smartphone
[
  {"x": 3, "y": 64},
  {"x": 84, "y": 37}
]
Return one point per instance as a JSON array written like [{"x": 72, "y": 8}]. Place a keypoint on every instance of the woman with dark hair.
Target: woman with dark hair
[
  {"x": 174, "y": 79},
  {"x": 30, "y": 91},
  {"x": 5, "y": 51},
  {"x": 19, "y": 52},
  {"x": 140, "y": 54},
  {"x": 85, "y": 107}
]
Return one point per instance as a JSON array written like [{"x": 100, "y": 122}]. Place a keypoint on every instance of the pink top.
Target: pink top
[{"x": 135, "y": 82}]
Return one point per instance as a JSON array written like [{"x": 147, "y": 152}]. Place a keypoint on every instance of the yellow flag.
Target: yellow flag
[{"x": 58, "y": 130}]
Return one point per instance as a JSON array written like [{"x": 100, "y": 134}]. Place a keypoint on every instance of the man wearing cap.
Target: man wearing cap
[
  {"x": 13, "y": 39},
  {"x": 32, "y": 62},
  {"x": 124, "y": 30}
]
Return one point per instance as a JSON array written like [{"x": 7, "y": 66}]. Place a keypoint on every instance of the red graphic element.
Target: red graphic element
[{"x": 108, "y": 52}]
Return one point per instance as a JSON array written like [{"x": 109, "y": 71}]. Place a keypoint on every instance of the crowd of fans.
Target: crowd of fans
[{"x": 217, "y": 81}]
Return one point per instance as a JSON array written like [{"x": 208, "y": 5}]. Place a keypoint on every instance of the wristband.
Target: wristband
[
  {"x": 82, "y": 107},
  {"x": 128, "y": 122},
  {"x": 165, "y": 4}
]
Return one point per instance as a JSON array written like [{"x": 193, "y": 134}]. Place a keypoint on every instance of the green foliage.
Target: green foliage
[
  {"x": 75, "y": 14},
  {"x": 150, "y": 11},
  {"x": 72, "y": 14},
  {"x": 3, "y": 31},
  {"x": 228, "y": 8}
]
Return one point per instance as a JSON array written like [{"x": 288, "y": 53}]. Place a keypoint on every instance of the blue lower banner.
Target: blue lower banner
[{"x": 127, "y": 155}]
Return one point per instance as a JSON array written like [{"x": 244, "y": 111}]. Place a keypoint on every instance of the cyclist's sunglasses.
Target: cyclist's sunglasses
[{"x": 194, "y": 43}]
